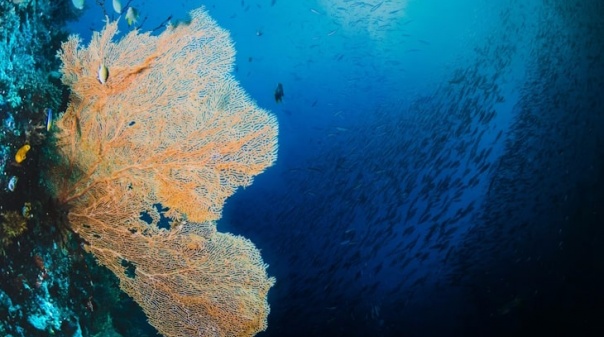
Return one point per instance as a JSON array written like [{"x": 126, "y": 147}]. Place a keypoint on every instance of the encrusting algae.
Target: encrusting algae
[{"x": 12, "y": 225}]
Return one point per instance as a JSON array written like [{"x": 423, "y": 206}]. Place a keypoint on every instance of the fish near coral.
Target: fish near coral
[
  {"x": 21, "y": 154},
  {"x": 79, "y": 4},
  {"x": 12, "y": 183},
  {"x": 26, "y": 210},
  {"x": 103, "y": 73},
  {"x": 117, "y": 6},
  {"x": 131, "y": 16},
  {"x": 279, "y": 93},
  {"x": 48, "y": 119}
]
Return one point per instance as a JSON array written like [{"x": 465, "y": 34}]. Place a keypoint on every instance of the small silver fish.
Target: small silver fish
[
  {"x": 131, "y": 16},
  {"x": 12, "y": 183},
  {"x": 117, "y": 6},
  {"x": 103, "y": 73},
  {"x": 79, "y": 4}
]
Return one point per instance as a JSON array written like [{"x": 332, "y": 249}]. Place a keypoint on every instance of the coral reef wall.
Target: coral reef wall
[
  {"x": 46, "y": 286},
  {"x": 28, "y": 39}
]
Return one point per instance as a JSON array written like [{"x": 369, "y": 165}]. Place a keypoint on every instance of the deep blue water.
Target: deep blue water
[{"x": 440, "y": 162}]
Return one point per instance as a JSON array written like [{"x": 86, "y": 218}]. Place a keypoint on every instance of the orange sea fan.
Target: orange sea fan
[{"x": 169, "y": 126}]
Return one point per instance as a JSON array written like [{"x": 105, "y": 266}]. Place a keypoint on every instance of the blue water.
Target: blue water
[{"x": 440, "y": 162}]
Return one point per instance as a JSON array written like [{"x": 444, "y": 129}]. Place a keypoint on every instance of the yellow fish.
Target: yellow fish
[
  {"x": 22, "y": 153},
  {"x": 103, "y": 73}
]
